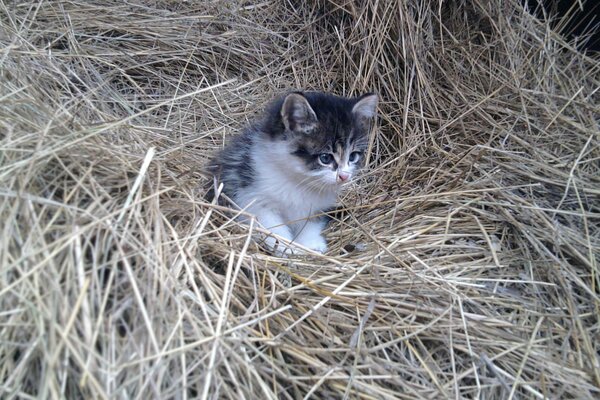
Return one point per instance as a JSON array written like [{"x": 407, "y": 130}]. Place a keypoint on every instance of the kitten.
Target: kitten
[{"x": 289, "y": 166}]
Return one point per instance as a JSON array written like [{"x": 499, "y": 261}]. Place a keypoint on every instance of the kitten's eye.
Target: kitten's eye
[
  {"x": 354, "y": 157},
  {"x": 326, "y": 158}
]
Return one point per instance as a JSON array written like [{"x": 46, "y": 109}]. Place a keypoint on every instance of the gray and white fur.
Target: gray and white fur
[{"x": 289, "y": 166}]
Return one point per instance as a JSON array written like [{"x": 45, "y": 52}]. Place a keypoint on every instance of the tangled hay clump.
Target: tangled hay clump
[{"x": 464, "y": 266}]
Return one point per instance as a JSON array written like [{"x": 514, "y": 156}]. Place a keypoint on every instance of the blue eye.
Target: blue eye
[
  {"x": 354, "y": 156},
  {"x": 325, "y": 158}
]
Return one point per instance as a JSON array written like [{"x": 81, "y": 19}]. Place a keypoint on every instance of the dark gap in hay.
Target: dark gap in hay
[{"x": 578, "y": 22}]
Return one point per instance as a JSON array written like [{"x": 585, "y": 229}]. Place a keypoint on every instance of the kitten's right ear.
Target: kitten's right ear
[
  {"x": 297, "y": 114},
  {"x": 366, "y": 106}
]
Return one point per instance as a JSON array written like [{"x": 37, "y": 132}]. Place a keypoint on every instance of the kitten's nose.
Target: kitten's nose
[{"x": 343, "y": 176}]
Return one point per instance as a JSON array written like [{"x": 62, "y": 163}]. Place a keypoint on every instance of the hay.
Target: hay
[{"x": 465, "y": 266}]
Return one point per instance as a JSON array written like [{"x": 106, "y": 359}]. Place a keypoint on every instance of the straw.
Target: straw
[{"x": 464, "y": 262}]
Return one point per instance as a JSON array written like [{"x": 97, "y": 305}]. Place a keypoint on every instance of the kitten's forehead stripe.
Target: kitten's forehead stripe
[{"x": 339, "y": 151}]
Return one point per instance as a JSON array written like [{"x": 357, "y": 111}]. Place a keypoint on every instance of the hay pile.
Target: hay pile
[{"x": 466, "y": 265}]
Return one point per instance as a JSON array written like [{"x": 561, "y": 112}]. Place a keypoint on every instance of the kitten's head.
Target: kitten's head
[{"x": 327, "y": 135}]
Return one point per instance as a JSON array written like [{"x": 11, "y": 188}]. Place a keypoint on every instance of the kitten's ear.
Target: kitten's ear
[
  {"x": 297, "y": 114},
  {"x": 366, "y": 106}
]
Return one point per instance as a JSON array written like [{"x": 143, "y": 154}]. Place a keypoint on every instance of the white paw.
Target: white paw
[{"x": 315, "y": 243}]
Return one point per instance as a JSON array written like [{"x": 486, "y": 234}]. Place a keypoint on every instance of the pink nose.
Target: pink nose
[{"x": 343, "y": 176}]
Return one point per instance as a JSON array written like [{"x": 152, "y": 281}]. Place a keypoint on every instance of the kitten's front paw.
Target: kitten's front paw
[{"x": 316, "y": 243}]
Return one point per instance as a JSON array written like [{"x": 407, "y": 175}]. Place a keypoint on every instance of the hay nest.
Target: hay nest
[{"x": 466, "y": 264}]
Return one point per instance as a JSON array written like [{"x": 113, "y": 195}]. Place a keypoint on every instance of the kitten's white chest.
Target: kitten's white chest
[
  {"x": 299, "y": 203},
  {"x": 288, "y": 196},
  {"x": 281, "y": 185}
]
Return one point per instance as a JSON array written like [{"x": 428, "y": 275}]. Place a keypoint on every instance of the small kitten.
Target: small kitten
[{"x": 289, "y": 166}]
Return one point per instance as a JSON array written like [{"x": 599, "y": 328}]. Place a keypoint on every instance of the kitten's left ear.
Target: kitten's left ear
[
  {"x": 297, "y": 114},
  {"x": 366, "y": 106}
]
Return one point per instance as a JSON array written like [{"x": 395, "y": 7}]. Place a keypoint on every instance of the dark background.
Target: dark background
[{"x": 582, "y": 21}]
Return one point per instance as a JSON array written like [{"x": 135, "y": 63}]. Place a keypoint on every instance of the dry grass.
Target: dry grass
[{"x": 475, "y": 233}]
